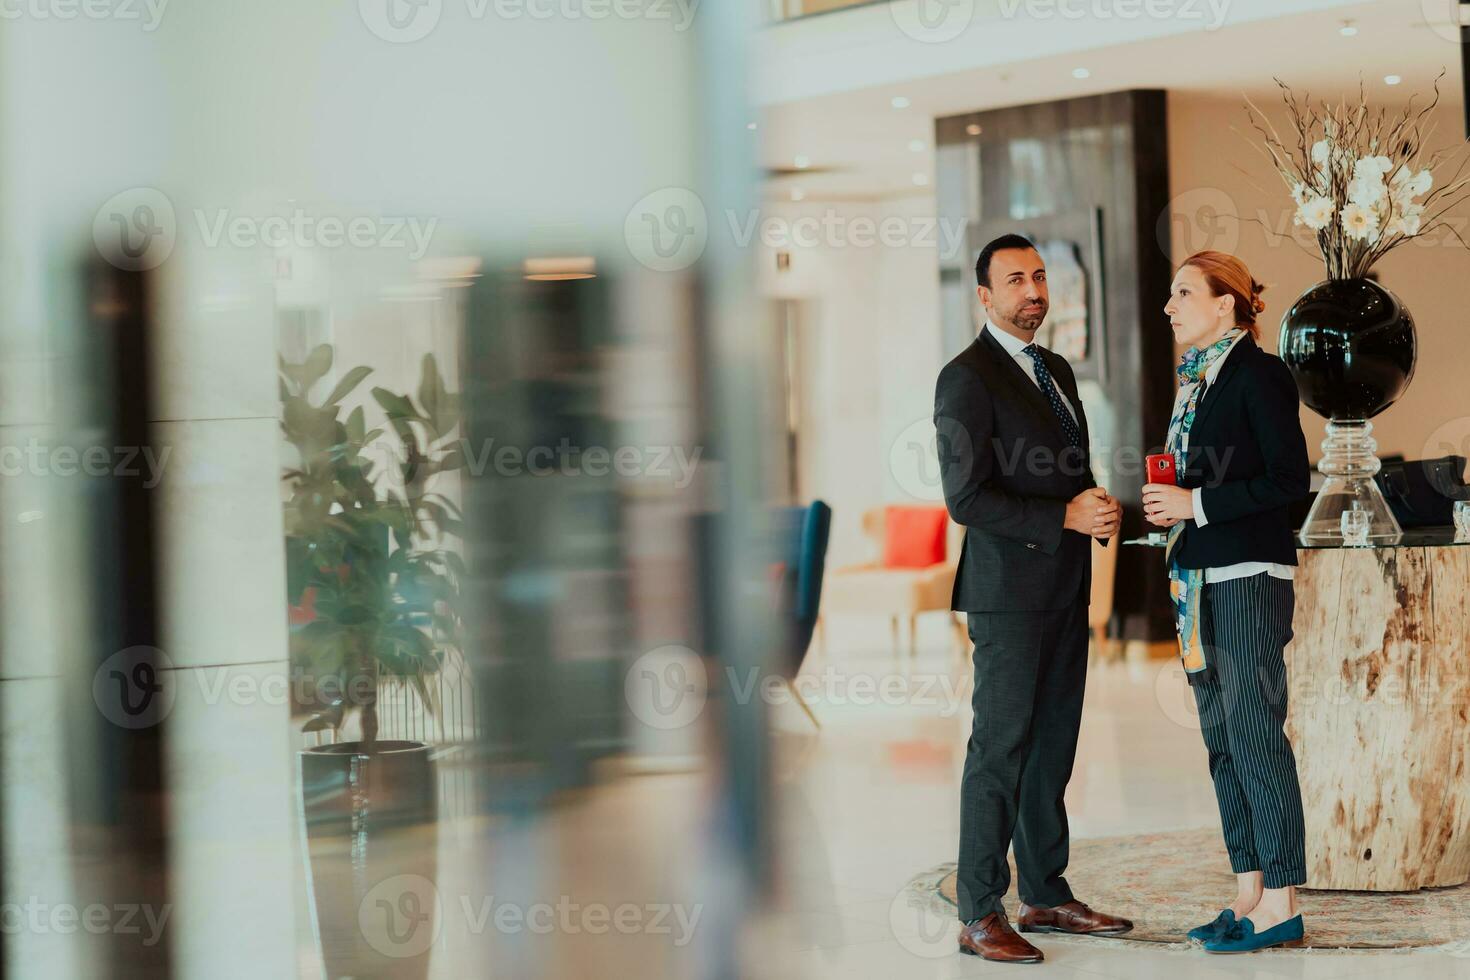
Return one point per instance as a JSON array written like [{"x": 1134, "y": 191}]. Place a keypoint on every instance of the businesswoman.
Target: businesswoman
[{"x": 1241, "y": 460}]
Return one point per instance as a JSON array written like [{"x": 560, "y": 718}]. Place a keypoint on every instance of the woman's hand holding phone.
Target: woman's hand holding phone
[{"x": 1165, "y": 505}]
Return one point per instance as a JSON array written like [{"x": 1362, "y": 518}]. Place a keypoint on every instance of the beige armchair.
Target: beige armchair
[
  {"x": 903, "y": 593},
  {"x": 900, "y": 593}
]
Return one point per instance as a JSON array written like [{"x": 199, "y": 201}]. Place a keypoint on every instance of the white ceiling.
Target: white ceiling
[{"x": 864, "y": 141}]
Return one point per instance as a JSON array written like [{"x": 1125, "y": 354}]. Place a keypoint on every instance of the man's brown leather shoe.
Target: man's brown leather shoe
[
  {"x": 1074, "y": 917},
  {"x": 992, "y": 938}
]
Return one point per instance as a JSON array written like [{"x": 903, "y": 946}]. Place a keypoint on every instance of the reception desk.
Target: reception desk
[{"x": 1379, "y": 717}]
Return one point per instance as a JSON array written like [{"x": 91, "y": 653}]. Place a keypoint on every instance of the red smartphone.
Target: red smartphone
[{"x": 1160, "y": 468}]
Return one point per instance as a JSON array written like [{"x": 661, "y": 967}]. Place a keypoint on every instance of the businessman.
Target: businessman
[{"x": 1013, "y": 459}]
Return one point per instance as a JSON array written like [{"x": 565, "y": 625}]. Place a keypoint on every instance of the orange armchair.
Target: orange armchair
[{"x": 872, "y": 588}]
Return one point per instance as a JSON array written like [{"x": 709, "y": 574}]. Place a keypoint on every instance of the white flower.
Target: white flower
[
  {"x": 1372, "y": 167},
  {"x": 1315, "y": 213},
  {"x": 1299, "y": 193},
  {"x": 1406, "y": 223},
  {"x": 1407, "y": 185},
  {"x": 1319, "y": 153},
  {"x": 1359, "y": 222},
  {"x": 1366, "y": 189}
]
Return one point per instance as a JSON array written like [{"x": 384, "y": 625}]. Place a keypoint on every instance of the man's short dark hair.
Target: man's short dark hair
[{"x": 982, "y": 264}]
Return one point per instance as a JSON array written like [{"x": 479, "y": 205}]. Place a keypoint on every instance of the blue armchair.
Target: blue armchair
[{"x": 800, "y": 546}]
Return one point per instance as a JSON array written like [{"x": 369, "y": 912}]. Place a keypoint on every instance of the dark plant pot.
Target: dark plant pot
[
  {"x": 1350, "y": 345},
  {"x": 371, "y": 835}
]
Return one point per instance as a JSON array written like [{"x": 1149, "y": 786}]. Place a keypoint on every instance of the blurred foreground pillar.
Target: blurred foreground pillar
[{"x": 230, "y": 770}]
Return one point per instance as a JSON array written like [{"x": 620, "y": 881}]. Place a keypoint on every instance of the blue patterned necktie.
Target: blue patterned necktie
[{"x": 1049, "y": 389}]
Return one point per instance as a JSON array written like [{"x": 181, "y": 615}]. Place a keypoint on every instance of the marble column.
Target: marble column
[{"x": 229, "y": 752}]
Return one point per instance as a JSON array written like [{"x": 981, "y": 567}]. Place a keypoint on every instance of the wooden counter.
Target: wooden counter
[
  {"x": 1379, "y": 711},
  {"x": 1379, "y": 716}
]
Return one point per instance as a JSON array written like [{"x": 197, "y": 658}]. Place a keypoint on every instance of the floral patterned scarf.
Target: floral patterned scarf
[{"x": 1185, "y": 583}]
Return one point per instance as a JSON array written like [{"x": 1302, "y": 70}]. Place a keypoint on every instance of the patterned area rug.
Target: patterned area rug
[{"x": 1167, "y": 883}]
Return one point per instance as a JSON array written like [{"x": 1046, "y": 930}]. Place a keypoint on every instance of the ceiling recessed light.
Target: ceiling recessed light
[
  {"x": 917, "y": 146},
  {"x": 1391, "y": 79},
  {"x": 900, "y": 102},
  {"x": 973, "y": 129},
  {"x": 802, "y": 162},
  {"x": 797, "y": 194},
  {"x": 921, "y": 180},
  {"x": 1080, "y": 73},
  {"x": 1348, "y": 29}
]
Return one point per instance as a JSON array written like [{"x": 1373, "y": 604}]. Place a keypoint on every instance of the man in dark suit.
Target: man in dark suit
[{"x": 1013, "y": 458}]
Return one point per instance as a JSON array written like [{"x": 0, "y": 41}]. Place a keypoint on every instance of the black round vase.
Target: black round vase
[{"x": 1350, "y": 345}]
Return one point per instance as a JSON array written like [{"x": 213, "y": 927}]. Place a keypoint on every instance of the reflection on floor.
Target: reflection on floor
[
  {"x": 864, "y": 804},
  {"x": 873, "y": 798}
]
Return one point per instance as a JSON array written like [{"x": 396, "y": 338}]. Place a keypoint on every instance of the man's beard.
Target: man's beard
[{"x": 1028, "y": 319}]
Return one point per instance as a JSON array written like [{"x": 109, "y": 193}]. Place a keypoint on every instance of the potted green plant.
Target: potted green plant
[{"x": 374, "y": 595}]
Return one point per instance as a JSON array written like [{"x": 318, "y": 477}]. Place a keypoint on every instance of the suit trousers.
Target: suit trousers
[
  {"x": 1030, "y": 672},
  {"x": 1245, "y": 624}
]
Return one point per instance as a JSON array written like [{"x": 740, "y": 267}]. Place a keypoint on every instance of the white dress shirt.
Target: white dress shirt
[
  {"x": 1016, "y": 347},
  {"x": 1241, "y": 569}
]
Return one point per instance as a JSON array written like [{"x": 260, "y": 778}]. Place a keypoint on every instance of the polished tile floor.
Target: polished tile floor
[
  {"x": 861, "y": 806},
  {"x": 872, "y": 799}
]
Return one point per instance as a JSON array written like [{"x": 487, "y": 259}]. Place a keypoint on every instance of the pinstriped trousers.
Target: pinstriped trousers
[{"x": 1245, "y": 624}]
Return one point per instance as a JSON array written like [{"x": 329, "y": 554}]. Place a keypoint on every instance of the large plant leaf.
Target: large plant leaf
[
  {"x": 317, "y": 364},
  {"x": 310, "y": 428},
  {"x": 349, "y": 381},
  {"x": 356, "y": 427},
  {"x": 311, "y": 370},
  {"x": 398, "y": 406}
]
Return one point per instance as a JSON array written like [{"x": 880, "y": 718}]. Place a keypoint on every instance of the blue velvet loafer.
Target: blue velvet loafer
[
  {"x": 1243, "y": 938},
  {"x": 1208, "y": 931}
]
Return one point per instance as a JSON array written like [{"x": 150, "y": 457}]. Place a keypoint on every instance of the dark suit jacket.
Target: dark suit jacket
[
  {"x": 1248, "y": 453},
  {"x": 1008, "y": 473}
]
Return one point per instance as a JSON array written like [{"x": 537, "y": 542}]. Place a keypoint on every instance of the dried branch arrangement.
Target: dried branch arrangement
[{"x": 1361, "y": 178}]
